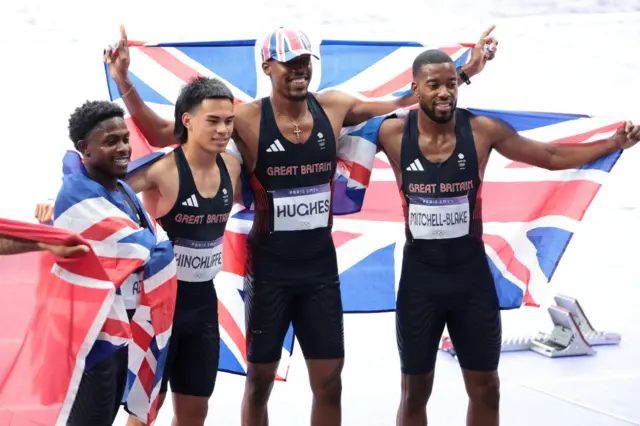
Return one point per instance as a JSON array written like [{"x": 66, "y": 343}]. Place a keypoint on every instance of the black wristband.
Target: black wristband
[{"x": 463, "y": 75}]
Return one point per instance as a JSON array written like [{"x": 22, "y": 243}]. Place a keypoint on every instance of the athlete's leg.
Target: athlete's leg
[
  {"x": 98, "y": 393},
  {"x": 267, "y": 318},
  {"x": 318, "y": 323},
  {"x": 420, "y": 320},
  {"x": 475, "y": 329}
]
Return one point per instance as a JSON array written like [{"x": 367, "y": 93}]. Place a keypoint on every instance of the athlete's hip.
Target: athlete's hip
[{"x": 446, "y": 272}]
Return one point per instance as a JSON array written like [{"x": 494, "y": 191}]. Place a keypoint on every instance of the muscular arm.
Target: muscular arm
[
  {"x": 157, "y": 130},
  {"x": 359, "y": 111},
  {"x": 506, "y": 140},
  {"x": 10, "y": 245},
  {"x": 390, "y": 139},
  {"x": 235, "y": 169},
  {"x": 142, "y": 180}
]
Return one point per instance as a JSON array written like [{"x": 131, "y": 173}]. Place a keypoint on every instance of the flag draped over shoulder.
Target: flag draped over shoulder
[
  {"x": 529, "y": 214},
  {"x": 70, "y": 312}
]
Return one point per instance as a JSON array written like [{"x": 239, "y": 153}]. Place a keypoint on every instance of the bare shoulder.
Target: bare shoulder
[
  {"x": 488, "y": 125},
  {"x": 232, "y": 163},
  {"x": 391, "y": 128},
  {"x": 334, "y": 98},
  {"x": 487, "y": 130},
  {"x": 247, "y": 110},
  {"x": 154, "y": 175},
  {"x": 160, "y": 168}
]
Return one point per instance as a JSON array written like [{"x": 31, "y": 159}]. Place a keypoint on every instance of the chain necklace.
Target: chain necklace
[{"x": 296, "y": 128}]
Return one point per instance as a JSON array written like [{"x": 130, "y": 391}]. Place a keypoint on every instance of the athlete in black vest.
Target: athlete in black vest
[
  {"x": 292, "y": 274},
  {"x": 287, "y": 143},
  {"x": 438, "y": 154},
  {"x": 191, "y": 193}
]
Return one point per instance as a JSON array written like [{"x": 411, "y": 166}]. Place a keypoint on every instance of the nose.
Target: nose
[
  {"x": 443, "y": 92},
  {"x": 222, "y": 127},
  {"x": 123, "y": 146}
]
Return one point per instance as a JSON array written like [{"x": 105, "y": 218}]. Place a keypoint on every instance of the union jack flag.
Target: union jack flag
[
  {"x": 79, "y": 315},
  {"x": 88, "y": 209},
  {"x": 529, "y": 214}
]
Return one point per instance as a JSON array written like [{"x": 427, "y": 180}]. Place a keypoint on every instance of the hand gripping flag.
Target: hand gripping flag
[
  {"x": 77, "y": 316},
  {"x": 529, "y": 214}
]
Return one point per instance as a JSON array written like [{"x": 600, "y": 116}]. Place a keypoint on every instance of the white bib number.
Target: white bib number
[
  {"x": 130, "y": 291},
  {"x": 301, "y": 209},
  {"x": 198, "y": 261},
  {"x": 439, "y": 218}
]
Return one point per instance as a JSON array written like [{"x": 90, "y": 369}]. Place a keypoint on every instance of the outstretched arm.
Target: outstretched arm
[
  {"x": 506, "y": 140},
  {"x": 10, "y": 245},
  {"x": 360, "y": 111},
  {"x": 157, "y": 130}
]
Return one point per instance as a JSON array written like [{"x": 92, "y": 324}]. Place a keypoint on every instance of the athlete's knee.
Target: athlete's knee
[
  {"x": 190, "y": 410},
  {"x": 325, "y": 377},
  {"x": 259, "y": 382},
  {"x": 416, "y": 390},
  {"x": 483, "y": 387}
]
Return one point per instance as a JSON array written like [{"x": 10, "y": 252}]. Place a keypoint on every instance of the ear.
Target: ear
[
  {"x": 83, "y": 146},
  {"x": 186, "y": 119},
  {"x": 266, "y": 69},
  {"x": 414, "y": 89}
]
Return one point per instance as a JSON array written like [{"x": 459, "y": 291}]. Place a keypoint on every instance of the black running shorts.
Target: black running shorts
[
  {"x": 462, "y": 297},
  {"x": 314, "y": 309},
  {"x": 100, "y": 392},
  {"x": 194, "y": 348}
]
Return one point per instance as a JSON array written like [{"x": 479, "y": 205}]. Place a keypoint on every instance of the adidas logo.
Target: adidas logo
[
  {"x": 276, "y": 146},
  {"x": 416, "y": 166},
  {"x": 191, "y": 201}
]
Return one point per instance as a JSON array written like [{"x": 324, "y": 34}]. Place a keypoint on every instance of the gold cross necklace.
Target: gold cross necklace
[{"x": 296, "y": 129}]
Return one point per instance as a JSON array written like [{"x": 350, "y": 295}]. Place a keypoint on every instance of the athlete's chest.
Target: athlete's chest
[
  {"x": 455, "y": 173},
  {"x": 281, "y": 158}
]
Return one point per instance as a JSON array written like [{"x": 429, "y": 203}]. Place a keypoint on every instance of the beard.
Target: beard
[
  {"x": 438, "y": 118},
  {"x": 298, "y": 96}
]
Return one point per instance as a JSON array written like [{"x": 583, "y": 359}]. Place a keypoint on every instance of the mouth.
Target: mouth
[
  {"x": 443, "y": 106},
  {"x": 122, "y": 161},
  {"x": 299, "y": 81}
]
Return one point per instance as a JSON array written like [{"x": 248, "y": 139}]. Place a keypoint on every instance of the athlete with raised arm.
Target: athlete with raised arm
[
  {"x": 438, "y": 154},
  {"x": 288, "y": 146}
]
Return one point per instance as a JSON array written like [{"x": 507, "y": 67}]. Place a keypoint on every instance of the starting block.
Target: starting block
[{"x": 572, "y": 334}]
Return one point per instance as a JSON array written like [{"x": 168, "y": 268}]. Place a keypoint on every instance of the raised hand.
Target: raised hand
[
  {"x": 484, "y": 50},
  {"x": 117, "y": 58},
  {"x": 627, "y": 135}
]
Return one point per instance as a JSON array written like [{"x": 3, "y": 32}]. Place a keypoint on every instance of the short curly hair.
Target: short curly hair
[{"x": 86, "y": 117}]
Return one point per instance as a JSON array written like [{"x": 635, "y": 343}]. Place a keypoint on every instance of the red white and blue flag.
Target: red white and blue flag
[
  {"x": 530, "y": 214},
  {"x": 70, "y": 313}
]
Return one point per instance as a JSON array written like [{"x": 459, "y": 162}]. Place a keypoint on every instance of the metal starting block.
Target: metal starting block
[
  {"x": 566, "y": 339},
  {"x": 572, "y": 334},
  {"x": 593, "y": 337}
]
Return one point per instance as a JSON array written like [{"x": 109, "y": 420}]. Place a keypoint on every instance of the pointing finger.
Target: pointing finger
[{"x": 487, "y": 32}]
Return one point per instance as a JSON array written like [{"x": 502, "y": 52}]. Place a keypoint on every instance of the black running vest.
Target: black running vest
[
  {"x": 292, "y": 188},
  {"x": 195, "y": 225},
  {"x": 442, "y": 210}
]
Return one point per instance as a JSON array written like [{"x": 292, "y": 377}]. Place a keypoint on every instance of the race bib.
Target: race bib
[
  {"x": 198, "y": 261},
  {"x": 300, "y": 209},
  {"x": 130, "y": 291},
  {"x": 439, "y": 218}
]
